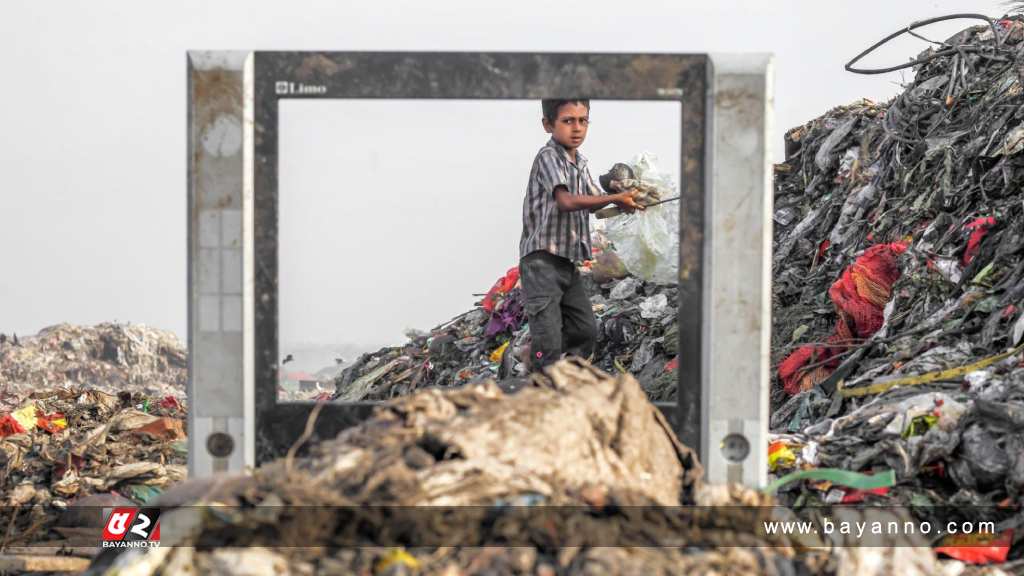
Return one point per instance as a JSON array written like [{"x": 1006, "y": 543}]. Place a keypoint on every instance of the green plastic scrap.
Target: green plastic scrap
[
  {"x": 180, "y": 447},
  {"x": 920, "y": 501},
  {"x": 141, "y": 493},
  {"x": 618, "y": 366},
  {"x": 837, "y": 476},
  {"x": 980, "y": 276},
  {"x": 801, "y": 412},
  {"x": 920, "y": 424}
]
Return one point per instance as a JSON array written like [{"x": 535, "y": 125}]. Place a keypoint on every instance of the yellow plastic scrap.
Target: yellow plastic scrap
[
  {"x": 26, "y": 416},
  {"x": 920, "y": 424},
  {"x": 52, "y": 423},
  {"x": 824, "y": 485},
  {"x": 618, "y": 366},
  {"x": 886, "y": 384},
  {"x": 498, "y": 352},
  {"x": 396, "y": 556},
  {"x": 780, "y": 456}
]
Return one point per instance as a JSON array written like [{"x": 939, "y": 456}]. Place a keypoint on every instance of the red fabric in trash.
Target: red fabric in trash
[
  {"x": 672, "y": 364},
  {"x": 46, "y": 422},
  {"x": 790, "y": 370},
  {"x": 502, "y": 286},
  {"x": 979, "y": 548},
  {"x": 170, "y": 403},
  {"x": 9, "y": 426},
  {"x": 979, "y": 229},
  {"x": 823, "y": 248},
  {"x": 856, "y": 496},
  {"x": 859, "y": 295}
]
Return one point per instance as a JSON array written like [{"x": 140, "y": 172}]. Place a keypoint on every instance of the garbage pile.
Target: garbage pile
[
  {"x": 637, "y": 334},
  {"x": 898, "y": 288},
  {"x": 89, "y": 417},
  {"x": 61, "y": 447},
  {"x": 581, "y": 477},
  {"x": 109, "y": 357}
]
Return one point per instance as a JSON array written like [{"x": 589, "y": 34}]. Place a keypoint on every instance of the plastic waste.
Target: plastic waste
[
  {"x": 624, "y": 289},
  {"x": 654, "y": 307},
  {"x": 841, "y": 477},
  {"x": 780, "y": 455},
  {"x": 980, "y": 548},
  {"x": 647, "y": 242}
]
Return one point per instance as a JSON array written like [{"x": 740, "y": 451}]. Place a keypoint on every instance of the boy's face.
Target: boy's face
[{"x": 570, "y": 128}]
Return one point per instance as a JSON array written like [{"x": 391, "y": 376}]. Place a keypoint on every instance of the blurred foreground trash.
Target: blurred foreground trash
[{"x": 576, "y": 473}]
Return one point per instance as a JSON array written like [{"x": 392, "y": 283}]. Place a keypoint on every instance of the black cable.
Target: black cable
[{"x": 913, "y": 26}]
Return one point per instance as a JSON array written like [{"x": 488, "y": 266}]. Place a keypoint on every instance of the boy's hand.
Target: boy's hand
[{"x": 627, "y": 201}]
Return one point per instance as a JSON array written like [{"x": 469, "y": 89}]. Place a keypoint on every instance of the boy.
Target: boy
[{"x": 556, "y": 236}]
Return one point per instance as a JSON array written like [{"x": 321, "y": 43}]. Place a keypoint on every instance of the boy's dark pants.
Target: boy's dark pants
[{"x": 558, "y": 308}]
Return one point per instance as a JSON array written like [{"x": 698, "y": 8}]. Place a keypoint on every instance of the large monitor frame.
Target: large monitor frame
[
  {"x": 340, "y": 75},
  {"x": 247, "y": 88}
]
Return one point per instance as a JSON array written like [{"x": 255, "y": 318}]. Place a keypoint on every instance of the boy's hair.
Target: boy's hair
[{"x": 551, "y": 107}]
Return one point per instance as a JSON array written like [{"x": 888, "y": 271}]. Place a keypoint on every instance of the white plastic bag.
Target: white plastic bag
[{"x": 647, "y": 242}]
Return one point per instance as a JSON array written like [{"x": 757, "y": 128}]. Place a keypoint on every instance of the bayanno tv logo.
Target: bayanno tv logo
[{"x": 127, "y": 527}]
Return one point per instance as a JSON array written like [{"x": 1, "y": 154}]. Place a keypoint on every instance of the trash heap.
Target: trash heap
[
  {"x": 584, "y": 476},
  {"x": 898, "y": 292},
  {"x": 637, "y": 333},
  {"x": 89, "y": 417},
  {"x": 109, "y": 357},
  {"x": 97, "y": 444}
]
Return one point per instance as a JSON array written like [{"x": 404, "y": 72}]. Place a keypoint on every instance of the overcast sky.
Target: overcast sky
[{"x": 93, "y": 150}]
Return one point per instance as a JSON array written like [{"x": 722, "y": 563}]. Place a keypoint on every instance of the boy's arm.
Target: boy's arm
[
  {"x": 568, "y": 202},
  {"x": 594, "y": 190}
]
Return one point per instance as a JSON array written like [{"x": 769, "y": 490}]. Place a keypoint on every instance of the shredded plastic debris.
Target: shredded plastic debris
[
  {"x": 637, "y": 330},
  {"x": 927, "y": 382}
]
